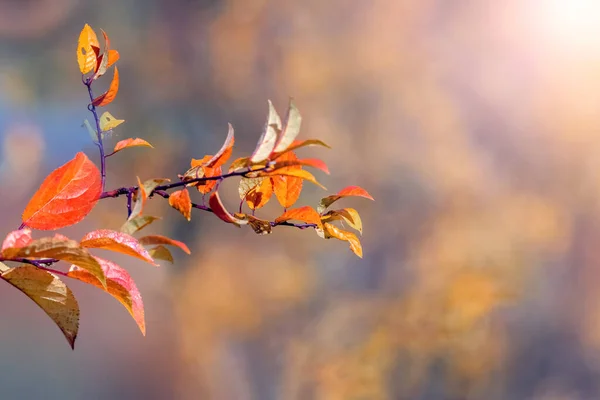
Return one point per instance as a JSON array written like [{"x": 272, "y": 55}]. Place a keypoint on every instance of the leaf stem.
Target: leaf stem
[{"x": 92, "y": 108}]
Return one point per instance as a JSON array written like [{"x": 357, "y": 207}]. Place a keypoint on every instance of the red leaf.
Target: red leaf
[
  {"x": 119, "y": 284},
  {"x": 219, "y": 209},
  {"x": 347, "y": 191},
  {"x": 116, "y": 241},
  {"x": 107, "y": 97},
  {"x": 306, "y": 214},
  {"x": 66, "y": 196},
  {"x": 17, "y": 239},
  {"x": 159, "y": 239},
  {"x": 223, "y": 155},
  {"x": 180, "y": 200}
]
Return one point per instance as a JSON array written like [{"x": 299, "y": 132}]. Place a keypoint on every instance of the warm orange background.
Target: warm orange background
[{"x": 474, "y": 124}]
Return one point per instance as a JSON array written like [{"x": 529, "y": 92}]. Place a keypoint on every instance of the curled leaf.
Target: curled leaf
[
  {"x": 335, "y": 232},
  {"x": 345, "y": 192},
  {"x": 223, "y": 155},
  {"x": 159, "y": 239},
  {"x": 66, "y": 196},
  {"x": 180, "y": 200},
  {"x": 119, "y": 284},
  {"x": 160, "y": 252},
  {"x": 348, "y": 215},
  {"x": 267, "y": 140},
  {"x": 51, "y": 294},
  {"x": 103, "y": 60},
  {"x": 260, "y": 226},
  {"x": 118, "y": 242},
  {"x": 291, "y": 128},
  {"x": 217, "y": 207},
  {"x": 108, "y": 96},
  {"x": 298, "y": 144}
]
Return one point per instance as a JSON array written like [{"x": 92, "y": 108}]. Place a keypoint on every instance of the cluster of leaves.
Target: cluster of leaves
[{"x": 70, "y": 192}]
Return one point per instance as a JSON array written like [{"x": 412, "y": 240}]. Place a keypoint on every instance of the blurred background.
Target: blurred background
[{"x": 474, "y": 124}]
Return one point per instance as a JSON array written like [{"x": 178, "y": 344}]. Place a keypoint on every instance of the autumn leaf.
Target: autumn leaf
[
  {"x": 306, "y": 162},
  {"x": 51, "y": 294},
  {"x": 135, "y": 224},
  {"x": 66, "y": 196},
  {"x": 131, "y": 142},
  {"x": 347, "y": 191},
  {"x": 298, "y": 173},
  {"x": 113, "y": 57},
  {"x": 116, "y": 241},
  {"x": 205, "y": 187},
  {"x": 180, "y": 200},
  {"x": 240, "y": 163},
  {"x": 86, "y": 56},
  {"x": 140, "y": 201},
  {"x": 287, "y": 188},
  {"x": 291, "y": 128},
  {"x": 119, "y": 284},
  {"x": 160, "y": 252},
  {"x": 108, "y": 122},
  {"x": 260, "y": 226},
  {"x": 57, "y": 248},
  {"x": 107, "y": 97},
  {"x": 299, "y": 144},
  {"x": 159, "y": 239},
  {"x": 306, "y": 214},
  {"x": 223, "y": 155},
  {"x": 267, "y": 140},
  {"x": 104, "y": 59},
  {"x": 332, "y": 231},
  {"x": 151, "y": 184},
  {"x": 17, "y": 239},
  {"x": 348, "y": 215},
  {"x": 217, "y": 207}
]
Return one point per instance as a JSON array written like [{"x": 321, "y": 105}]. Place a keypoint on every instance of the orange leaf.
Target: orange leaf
[
  {"x": 223, "y": 155},
  {"x": 116, "y": 241},
  {"x": 287, "y": 188},
  {"x": 66, "y": 196},
  {"x": 298, "y": 144},
  {"x": 159, "y": 239},
  {"x": 107, "y": 97},
  {"x": 16, "y": 239},
  {"x": 180, "y": 200},
  {"x": 308, "y": 162},
  {"x": 119, "y": 284},
  {"x": 50, "y": 293},
  {"x": 347, "y": 191},
  {"x": 86, "y": 56},
  {"x": 306, "y": 214},
  {"x": 131, "y": 142},
  {"x": 113, "y": 57},
  {"x": 267, "y": 141},
  {"x": 291, "y": 128},
  {"x": 209, "y": 185},
  {"x": 218, "y": 208},
  {"x": 259, "y": 195},
  {"x": 298, "y": 173},
  {"x": 240, "y": 163},
  {"x": 335, "y": 232}
]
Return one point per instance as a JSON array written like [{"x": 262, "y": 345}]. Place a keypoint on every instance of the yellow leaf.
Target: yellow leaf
[
  {"x": 348, "y": 215},
  {"x": 108, "y": 122},
  {"x": 86, "y": 55},
  {"x": 51, "y": 294},
  {"x": 333, "y": 231},
  {"x": 162, "y": 253}
]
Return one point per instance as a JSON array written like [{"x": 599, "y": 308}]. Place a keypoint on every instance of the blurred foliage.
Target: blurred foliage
[{"x": 473, "y": 127}]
